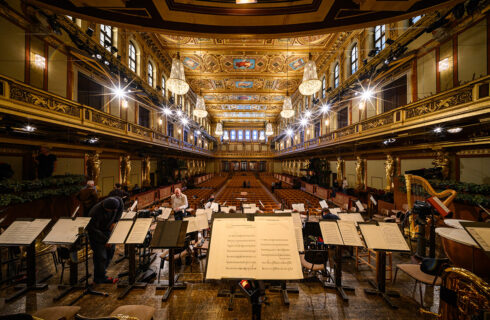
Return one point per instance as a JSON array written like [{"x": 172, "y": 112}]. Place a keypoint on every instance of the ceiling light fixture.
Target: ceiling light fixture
[
  {"x": 367, "y": 94},
  {"x": 167, "y": 111},
  {"x": 287, "y": 108},
  {"x": 179, "y": 113},
  {"x": 311, "y": 84},
  {"x": 184, "y": 121},
  {"x": 455, "y": 130},
  {"x": 303, "y": 122},
  {"x": 289, "y": 132},
  {"x": 325, "y": 108},
  {"x": 198, "y": 132},
  {"x": 119, "y": 92},
  {"x": 200, "y": 110},
  {"x": 268, "y": 130},
  {"x": 225, "y": 136},
  {"x": 29, "y": 128},
  {"x": 438, "y": 130},
  {"x": 176, "y": 83},
  {"x": 307, "y": 113}
]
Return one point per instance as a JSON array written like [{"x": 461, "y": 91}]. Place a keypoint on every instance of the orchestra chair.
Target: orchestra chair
[
  {"x": 130, "y": 312},
  {"x": 315, "y": 261},
  {"x": 51, "y": 313},
  {"x": 431, "y": 279}
]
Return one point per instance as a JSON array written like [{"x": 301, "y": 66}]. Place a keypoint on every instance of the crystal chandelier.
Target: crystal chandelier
[
  {"x": 287, "y": 108},
  {"x": 268, "y": 129},
  {"x": 200, "y": 110},
  {"x": 311, "y": 83},
  {"x": 176, "y": 83},
  {"x": 225, "y": 136},
  {"x": 262, "y": 136},
  {"x": 219, "y": 129}
]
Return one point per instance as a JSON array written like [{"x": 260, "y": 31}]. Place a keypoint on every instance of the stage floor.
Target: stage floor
[{"x": 200, "y": 301}]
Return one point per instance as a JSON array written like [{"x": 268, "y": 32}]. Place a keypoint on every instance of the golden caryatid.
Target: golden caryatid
[
  {"x": 125, "y": 169},
  {"x": 93, "y": 166},
  {"x": 359, "y": 173},
  {"x": 389, "y": 169},
  {"x": 442, "y": 161},
  {"x": 340, "y": 170},
  {"x": 146, "y": 171}
]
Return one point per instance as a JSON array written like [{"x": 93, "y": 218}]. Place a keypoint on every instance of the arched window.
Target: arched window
[
  {"x": 324, "y": 85},
  {"x": 150, "y": 73},
  {"x": 132, "y": 57},
  {"x": 163, "y": 85},
  {"x": 336, "y": 75},
  {"x": 354, "y": 60},
  {"x": 106, "y": 36},
  {"x": 379, "y": 37}
]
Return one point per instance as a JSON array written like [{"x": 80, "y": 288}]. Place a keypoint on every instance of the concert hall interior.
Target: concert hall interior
[{"x": 237, "y": 159}]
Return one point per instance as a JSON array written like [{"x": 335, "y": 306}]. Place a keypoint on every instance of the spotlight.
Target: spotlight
[
  {"x": 198, "y": 132},
  {"x": 179, "y": 113},
  {"x": 89, "y": 32},
  {"x": 455, "y": 130},
  {"x": 438, "y": 130},
  {"x": 29, "y": 128},
  {"x": 184, "y": 121},
  {"x": 307, "y": 113},
  {"x": 303, "y": 122},
  {"x": 167, "y": 111},
  {"x": 289, "y": 132},
  {"x": 93, "y": 140},
  {"x": 325, "y": 108},
  {"x": 367, "y": 94},
  {"x": 118, "y": 92}
]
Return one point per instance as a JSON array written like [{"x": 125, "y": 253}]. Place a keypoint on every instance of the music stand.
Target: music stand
[
  {"x": 24, "y": 232},
  {"x": 62, "y": 234},
  {"x": 170, "y": 235}
]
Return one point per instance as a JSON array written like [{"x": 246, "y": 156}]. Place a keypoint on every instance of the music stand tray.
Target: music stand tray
[{"x": 170, "y": 235}]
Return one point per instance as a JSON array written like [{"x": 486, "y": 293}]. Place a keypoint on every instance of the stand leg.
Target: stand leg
[
  {"x": 231, "y": 294},
  {"x": 338, "y": 276},
  {"x": 172, "y": 279},
  {"x": 380, "y": 286},
  {"x": 284, "y": 289}
]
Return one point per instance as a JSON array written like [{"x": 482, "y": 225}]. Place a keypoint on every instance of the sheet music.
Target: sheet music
[
  {"x": 165, "y": 214},
  {"x": 323, "y": 204},
  {"x": 331, "y": 233},
  {"x": 225, "y": 209},
  {"x": 215, "y": 207},
  {"x": 335, "y": 210},
  {"x": 349, "y": 233},
  {"x": 249, "y": 210},
  {"x": 66, "y": 230},
  {"x": 249, "y": 205},
  {"x": 373, "y": 200},
  {"x": 120, "y": 232},
  {"x": 481, "y": 235},
  {"x": 359, "y": 205},
  {"x": 261, "y": 249},
  {"x": 298, "y": 231},
  {"x": 133, "y": 206},
  {"x": 356, "y": 217},
  {"x": 128, "y": 215},
  {"x": 202, "y": 221},
  {"x": 209, "y": 213},
  {"x": 283, "y": 211},
  {"x": 23, "y": 232},
  {"x": 139, "y": 231},
  {"x": 300, "y": 207},
  {"x": 192, "y": 225},
  {"x": 386, "y": 236}
]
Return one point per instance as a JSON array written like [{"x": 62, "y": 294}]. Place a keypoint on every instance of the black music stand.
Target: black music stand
[
  {"x": 170, "y": 235},
  {"x": 338, "y": 275},
  {"x": 30, "y": 244}
]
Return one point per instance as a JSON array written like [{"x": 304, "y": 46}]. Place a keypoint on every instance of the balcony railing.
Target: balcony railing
[
  {"x": 24, "y": 100},
  {"x": 468, "y": 100}
]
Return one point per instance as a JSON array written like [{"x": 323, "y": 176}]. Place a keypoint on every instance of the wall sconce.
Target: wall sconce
[{"x": 39, "y": 61}]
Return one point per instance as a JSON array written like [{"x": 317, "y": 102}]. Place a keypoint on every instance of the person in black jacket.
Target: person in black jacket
[
  {"x": 119, "y": 192},
  {"x": 104, "y": 216}
]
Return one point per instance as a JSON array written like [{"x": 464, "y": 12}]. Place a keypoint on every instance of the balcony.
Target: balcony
[
  {"x": 19, "y": 99},
  {"x": 463, "y": 102}
]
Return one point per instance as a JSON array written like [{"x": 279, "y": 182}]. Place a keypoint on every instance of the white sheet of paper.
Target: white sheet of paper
[
  {"x": 128, "y": 215},
  {"x": 209, "y": 213},
  {"x": 335, "y": 210},
  {"x": 225, "y": 209},
  {"x": 359, "y": 205},
  {"x": 214, "y": 207},
  {"x": 120, "y": 232},
  {"x": 330, "y": 233},
  {"x": 356, "y": 217},
  {"x": 283, "y": 211},
  {"x": 323, "y": 204},
  {"x": 66, "y": 230},
  {"x": 297, "y": 220},
  {"x": 263, "y": 249},
  {"x": 249, "y": 205},
  {"x": 249, "y": 210},
  {"x": 23, "y": 232},
  {"x": 300, "y": 207},
  {"x": 139, "y": 231},
  {"x": 192, "y": 225},
  {"x": 373, "y": 200},
  {"x": 349, "y": 233},
  {"x": 165, "y": 214},
  {"x": 386, "y": 236},
  {"x": 202, "y": 221},
  {"x": 482, "y": 236}
]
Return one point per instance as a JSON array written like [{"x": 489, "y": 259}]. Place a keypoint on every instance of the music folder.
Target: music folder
[
  {"x": 169, "y": 235},
  {"x": 355, "y": 217},
  {"x": 165, "y": 214},
  {"x": 65, "y": 230},
  {"x": 359, "y": 206},
  {"x": 338, "y": 232},
  {"x": 383, "y": 236},
  {"x": 23, "y": 232},
  {"x": 323, "y": 204},
  {"x": 130, "y": 231},
  {"x": 300, "y": 207},
  {"x": 480, "y": 232}
]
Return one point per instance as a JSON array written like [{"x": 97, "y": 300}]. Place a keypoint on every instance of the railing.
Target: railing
[
  {"x": 432, "y": 110},
  {"x": 244, "y": 154},
  {"x": 19, "y": 98}
]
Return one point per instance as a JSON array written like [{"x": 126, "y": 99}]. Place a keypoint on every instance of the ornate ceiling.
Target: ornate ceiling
[
  {"x": 224, "y": 18},
  {"x": 239, "y": 76}
]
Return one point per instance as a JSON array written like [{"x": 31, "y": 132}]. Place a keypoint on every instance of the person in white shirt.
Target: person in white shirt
[
  {"x": 208, "y": 204},
  {"x": 179, "y": 204}
]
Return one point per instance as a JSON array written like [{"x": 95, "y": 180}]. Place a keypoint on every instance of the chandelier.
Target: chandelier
[
  {"x": 176, "y": 83},
  {"x": 268, "y": 129},
  {"x": 287, "y": 108},
  {"x": 200, "y": 110},
  {"x": 219, "y": 129},
  {"x": 310, "y": 83},
  {"x": 262, "y": 136},
  {"x": 225, "y": 136}
]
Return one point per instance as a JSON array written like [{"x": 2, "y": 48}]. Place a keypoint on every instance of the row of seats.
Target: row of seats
[
  {"x": 290, "y": 196},
  {"x": 268, "y": 180},
  {"x": 196, "y": 196},
  {"x": 252, "y": 195},
  {"x": 215, "y": 182},
  {"x": 238, "y": 180}
]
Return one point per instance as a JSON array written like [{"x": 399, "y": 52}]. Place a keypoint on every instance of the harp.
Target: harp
[{"x": 417, "y": 181}]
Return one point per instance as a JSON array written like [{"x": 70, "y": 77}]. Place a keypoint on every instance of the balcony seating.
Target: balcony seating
[
  {"x": 290, "y": 196},
  {"x": 268, "y": 179}
]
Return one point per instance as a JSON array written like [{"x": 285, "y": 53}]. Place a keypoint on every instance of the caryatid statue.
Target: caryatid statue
[
  {"x": 389, "y": 169},
  {"x": 359, "y": 173},
  {"x": 340, "y": 170},
  {"x": 125, "y": 169},
  {"x": 146, "y": 171},
  {"x": 93, "y": 166}
]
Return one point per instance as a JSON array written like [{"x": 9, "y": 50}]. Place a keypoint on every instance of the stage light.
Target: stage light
[
  {"x": 307, "y": 113},
  {"x": 93, "y": 140},
  {"x": 179, "y": 113},
  {"x": 455, "y": 130},
  {"x": 438, "y": 130},
  {"x": 119, "y": 93},
  {"x": 289, "y": 132},
  {"x": 303, "y": 122},
  {"x": 184, "y": 121},
  {"x": 167, "y": 111},
  {"x": 29, "y": 128},
  {"x": 325, "y": 108},
  {"x": 367, "y": 94}
]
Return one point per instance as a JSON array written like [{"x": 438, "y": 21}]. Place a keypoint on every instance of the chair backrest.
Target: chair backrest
[{"x": 316, "y": 256}]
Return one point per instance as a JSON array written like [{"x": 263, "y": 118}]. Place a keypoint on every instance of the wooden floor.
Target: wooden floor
[{"x": 200, "y": 301}]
